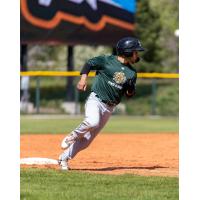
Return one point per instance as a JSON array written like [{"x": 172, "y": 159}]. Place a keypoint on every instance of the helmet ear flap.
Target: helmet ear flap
[
  {"x": 124, "y": 52},
  {"x": 128, "y": 53}
]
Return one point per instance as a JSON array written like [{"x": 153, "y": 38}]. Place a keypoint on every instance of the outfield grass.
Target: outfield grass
[
  {"x": 45, "y": 184},
  {"x": 117, "y": 124}
]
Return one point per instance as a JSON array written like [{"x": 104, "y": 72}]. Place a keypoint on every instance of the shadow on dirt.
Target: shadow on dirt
[{"x": 123, "y": 168}]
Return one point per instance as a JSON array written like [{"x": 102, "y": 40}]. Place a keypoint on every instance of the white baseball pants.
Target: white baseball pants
[{"x": 97, "y": 114}]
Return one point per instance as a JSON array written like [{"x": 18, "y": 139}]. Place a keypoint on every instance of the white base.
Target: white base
[{"x": 38, "y": 161}]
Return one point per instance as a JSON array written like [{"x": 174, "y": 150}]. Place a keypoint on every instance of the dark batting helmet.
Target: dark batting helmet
[{"x": 127, "y": 45}]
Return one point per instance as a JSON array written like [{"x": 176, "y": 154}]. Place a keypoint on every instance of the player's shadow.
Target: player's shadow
[{"x": 118, "y": 168}]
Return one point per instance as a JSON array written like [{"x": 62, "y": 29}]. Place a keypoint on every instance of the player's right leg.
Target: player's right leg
[{"x": 68, "y": 141}]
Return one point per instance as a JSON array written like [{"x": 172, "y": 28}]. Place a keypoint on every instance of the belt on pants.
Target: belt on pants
[{"x": 106, "y": 102}]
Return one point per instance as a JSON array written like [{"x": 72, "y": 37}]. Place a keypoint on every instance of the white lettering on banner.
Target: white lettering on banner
[
  {"x": 115, "y": 85},
  {"x": 45, "y": 2},
  {"x": 93, "y": 3}
]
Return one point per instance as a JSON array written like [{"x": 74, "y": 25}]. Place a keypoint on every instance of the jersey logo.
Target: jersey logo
[{"x": 119, "y": 77}]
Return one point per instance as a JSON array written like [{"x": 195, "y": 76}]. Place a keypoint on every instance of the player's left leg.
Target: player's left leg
[
  {"x": 90, "y": 122},
  {"x": 83, "y": 142}
]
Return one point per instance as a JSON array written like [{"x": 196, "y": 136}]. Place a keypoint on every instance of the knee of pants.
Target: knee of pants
[{"x": 93, "y": 123}]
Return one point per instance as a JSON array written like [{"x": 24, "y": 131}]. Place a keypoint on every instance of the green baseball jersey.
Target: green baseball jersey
[{"x": 111, "y": 76}]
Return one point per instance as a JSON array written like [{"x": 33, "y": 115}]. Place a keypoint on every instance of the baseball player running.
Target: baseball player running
[{"x": 115, "y": 77}]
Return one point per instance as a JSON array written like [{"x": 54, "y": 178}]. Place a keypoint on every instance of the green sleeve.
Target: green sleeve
[{"x": 96, "y": 63}]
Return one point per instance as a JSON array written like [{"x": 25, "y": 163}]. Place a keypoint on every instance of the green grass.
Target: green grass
[
  {"x": 43, "y": 184},
  {"x": 117, "y": 124}
]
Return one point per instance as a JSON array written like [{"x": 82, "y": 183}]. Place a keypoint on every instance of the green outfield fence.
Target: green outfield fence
[{"x": 152, "y": 76}]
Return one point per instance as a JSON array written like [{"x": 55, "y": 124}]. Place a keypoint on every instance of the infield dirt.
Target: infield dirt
[{"x": 141, "y": 154}]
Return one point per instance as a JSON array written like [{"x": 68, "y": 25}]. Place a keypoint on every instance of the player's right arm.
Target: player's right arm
[
  {"x": 95, "y": 63},
  {"x": 82, "y": 84}
]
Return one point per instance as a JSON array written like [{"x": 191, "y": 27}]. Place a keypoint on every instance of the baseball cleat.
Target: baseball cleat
[
  {"x": 67, "y": 141},
  {"x": 63, "y": 164}
]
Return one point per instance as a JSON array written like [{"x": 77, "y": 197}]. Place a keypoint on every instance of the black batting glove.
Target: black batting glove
[{"x": 130, "y": 89}]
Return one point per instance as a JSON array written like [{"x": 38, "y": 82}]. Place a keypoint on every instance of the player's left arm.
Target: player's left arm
[{"x": 130, "y": 87}]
